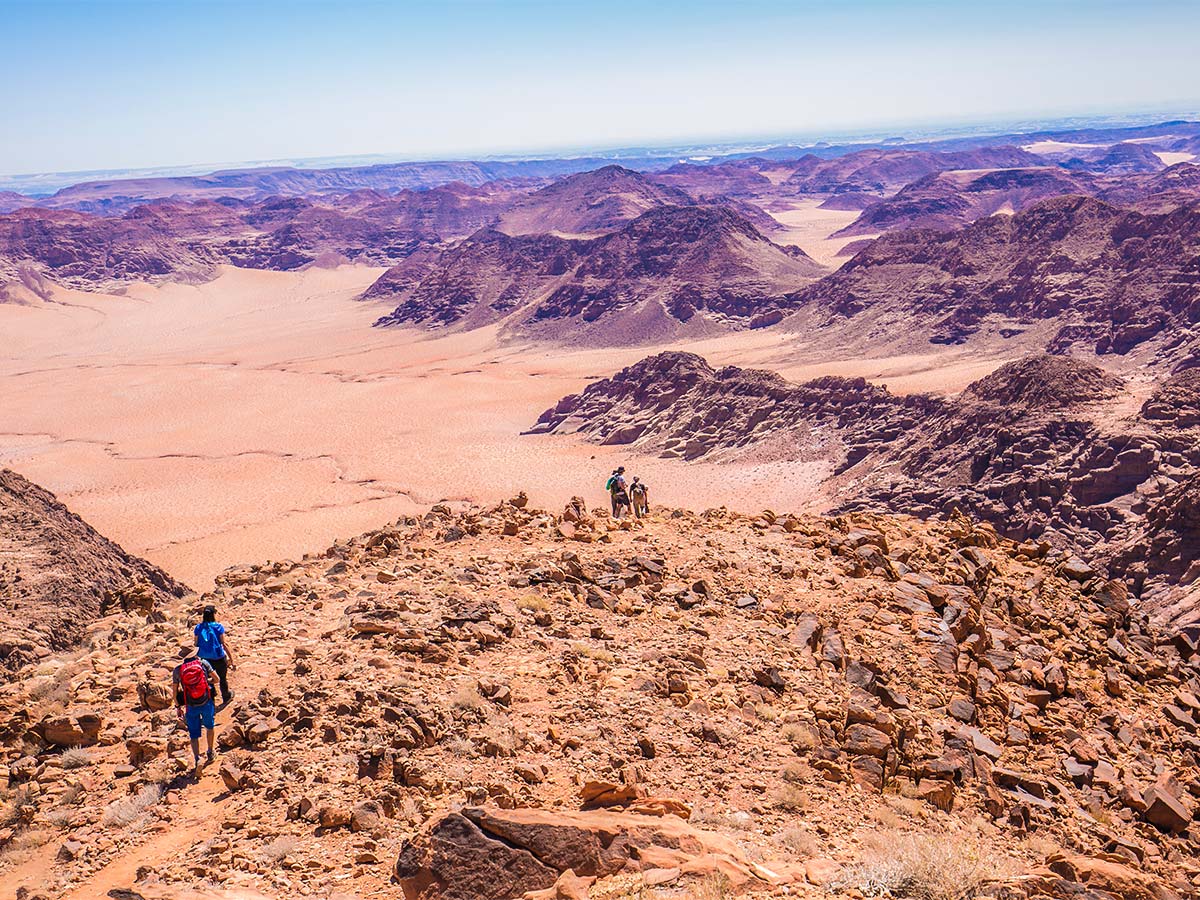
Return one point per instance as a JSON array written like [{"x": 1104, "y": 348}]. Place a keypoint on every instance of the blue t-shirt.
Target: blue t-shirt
[{"x": 208, "y": 640}]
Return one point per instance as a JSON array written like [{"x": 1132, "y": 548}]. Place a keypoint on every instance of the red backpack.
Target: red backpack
[{"x": 192, "y": 677}]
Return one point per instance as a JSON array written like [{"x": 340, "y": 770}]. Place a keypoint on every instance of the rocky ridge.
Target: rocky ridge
[
  {"x": 1111, "y": 279},
  {"x": 503, "y": 702},
  {"x": 1029, "y": 448},
  {"x": 673, "y": 270},
  {"x": 57, "y": 575}
]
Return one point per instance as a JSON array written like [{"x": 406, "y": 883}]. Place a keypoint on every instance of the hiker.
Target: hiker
[
  {"x": 639, "y": 496},
  {"x": 212, "y": 648},
  {"x": 195, "y": 683},
  {"x": 618, "y": 491}
]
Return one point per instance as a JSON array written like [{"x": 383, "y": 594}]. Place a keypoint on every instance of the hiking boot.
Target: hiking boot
[
  {"x": 211, "y": 757},
  {"x": 197, "y": 768}
]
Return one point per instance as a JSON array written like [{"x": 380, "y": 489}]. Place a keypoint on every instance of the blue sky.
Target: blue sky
[{"x": 92, "y": 85}]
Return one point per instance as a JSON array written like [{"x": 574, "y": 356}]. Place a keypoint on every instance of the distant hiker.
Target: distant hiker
[
  {"x": 212, "y": 648},
  {"x": 639, "y": 497},
  {"x": 618, "y": 490},
  {"x": 195, "y": 684}
]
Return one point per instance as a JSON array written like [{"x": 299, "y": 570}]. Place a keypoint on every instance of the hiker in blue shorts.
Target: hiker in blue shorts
[{"x": 195, "y": 684}]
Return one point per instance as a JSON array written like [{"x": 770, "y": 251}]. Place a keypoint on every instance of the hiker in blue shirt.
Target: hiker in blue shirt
[{"x": 212, "y": 648}]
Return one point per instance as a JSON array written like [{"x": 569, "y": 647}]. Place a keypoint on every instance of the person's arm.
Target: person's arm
[
  {"x": 225, "y": 647},
  {"x": 177, "y": 686}
]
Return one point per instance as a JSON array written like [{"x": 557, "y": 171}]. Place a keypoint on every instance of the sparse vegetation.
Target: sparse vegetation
[
  {"x": 279, "y": 849},
  {"x": 922, "y": 866},
  {"x": 800, "y": 737},
  {"x": 790, "y": 797},
  {"x": 75, "y": 758},
  {"x": 798, "y": 842},
  {"x": 532, "y": 603},
  {"x": 129, "y": 810}
]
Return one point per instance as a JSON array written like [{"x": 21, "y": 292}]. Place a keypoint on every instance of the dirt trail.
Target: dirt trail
[{"x": 196, "y": 808}]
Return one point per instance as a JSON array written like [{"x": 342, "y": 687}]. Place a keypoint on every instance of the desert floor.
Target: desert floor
[{"x": 260, "y": 416}]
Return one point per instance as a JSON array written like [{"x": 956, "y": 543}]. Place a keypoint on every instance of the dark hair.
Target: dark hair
[{"x": 210, "y": 614}]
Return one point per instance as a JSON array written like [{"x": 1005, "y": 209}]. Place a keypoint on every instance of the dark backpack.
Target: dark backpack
[{"x": 194, "y": 680}]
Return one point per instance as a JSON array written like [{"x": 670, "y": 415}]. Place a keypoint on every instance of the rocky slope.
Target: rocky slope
[
  {"x": 1112, "y": 279},
  {"x": 948, "y": 200},
  {"x": 952, "y": 199},
  {"x": 504, "y": 702},
  {"x": 589, "y": 204},
  {"x": 57, "y": 575},
  {"x": 672, "y": 271},
  {"x": 1031, "y": 449}
]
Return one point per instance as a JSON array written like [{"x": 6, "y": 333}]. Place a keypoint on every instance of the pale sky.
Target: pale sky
[{"x": 97, "y": 85}]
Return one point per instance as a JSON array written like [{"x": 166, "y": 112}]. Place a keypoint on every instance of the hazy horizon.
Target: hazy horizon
[{"x": 138, "y": 85}]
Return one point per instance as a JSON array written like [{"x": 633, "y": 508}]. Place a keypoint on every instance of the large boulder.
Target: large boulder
[
  {"x": 494, "y": 854},
  {"x": 80, "y": 728}
]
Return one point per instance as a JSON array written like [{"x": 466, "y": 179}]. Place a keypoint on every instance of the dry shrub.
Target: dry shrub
[
  {"x": 468, "y": 699},
  {"x": 922, "y": 866},
  {"x": 714, "y": 887},
  {"x": 131, "y": 809},
  {"x": 800, "y": 737},
  {"x": 279, "y": 849},
  {"x": 75, "y": 758},
  {"x": 62, "y": 819},
  {"x": 532, "y": 603},
  {"x": 790, "y": 797},
  {"x": 799, "y": 842}
]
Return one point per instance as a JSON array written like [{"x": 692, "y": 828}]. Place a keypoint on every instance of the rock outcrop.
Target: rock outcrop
[
  {"x": 57, "y": 574},
  {"x": 760, "y": 702},
  {"x": 1113, "y": 279},
  {"x": 1029, "y": 448}
]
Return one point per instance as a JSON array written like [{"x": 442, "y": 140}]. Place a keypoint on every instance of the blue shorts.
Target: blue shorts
[{"x": 198, "y": 716}]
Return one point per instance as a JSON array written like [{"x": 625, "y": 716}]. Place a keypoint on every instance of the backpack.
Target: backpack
[
  {"x": 608, "y": 485},
  {"x": 194, "y": 680}
]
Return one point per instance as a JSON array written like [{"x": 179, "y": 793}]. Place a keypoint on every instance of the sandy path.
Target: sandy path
[{"x": 260, "y": 416}]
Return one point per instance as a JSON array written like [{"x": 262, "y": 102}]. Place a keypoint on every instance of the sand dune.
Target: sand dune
[{"x": 260, "y": 416}]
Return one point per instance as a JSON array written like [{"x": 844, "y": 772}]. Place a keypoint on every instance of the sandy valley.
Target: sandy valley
[{"x": 260, "y": 416}]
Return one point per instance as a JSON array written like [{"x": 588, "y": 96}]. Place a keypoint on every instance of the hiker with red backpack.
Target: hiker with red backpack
[{"x": 195, "y": 683}]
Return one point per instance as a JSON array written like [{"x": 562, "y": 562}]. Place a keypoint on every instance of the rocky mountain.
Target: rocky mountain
[
  {"x": 114, "y": 196},
  {"x": 57, "y": 575},
  {"x": 857, "y": 177},
  {"x": 1119, "y": 159},
  {"x": 952, "y": 199},
  {"x": 1112, "y": 279},
  {"x": 186, "y": 240},
  {"x": 673, "y": 270},
  {"x": 82, "y": 250},
  {"x": 884, "y": 171},
  {"x": 10, "y": 200},
  {"x": 1030, "y": 449},
  {"x": 504, "y": 702},
  {"x": 588, "y": 204}
]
